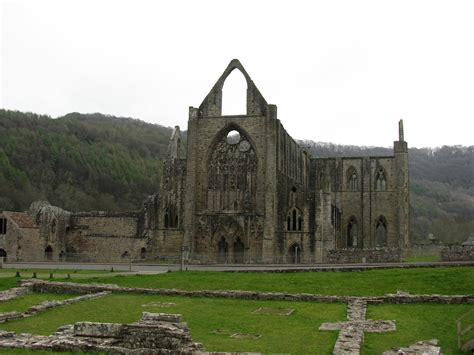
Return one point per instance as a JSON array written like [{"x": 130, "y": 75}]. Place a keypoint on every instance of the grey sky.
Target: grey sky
[{"x": 339, "y": 71}]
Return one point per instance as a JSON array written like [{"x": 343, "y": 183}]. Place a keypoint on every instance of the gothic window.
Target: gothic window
[
  {"x": 381, "y": 232},
  {"x": 171, "y": 217},
  {"x": 380, "y": 180},
  {"x": 352, "y": 233},
  {"x": 352, "y": 179},
  {"x": 232, "y": 168},
  {"x": 3, "y": 226},
  {"x": 294, "y": 220}
]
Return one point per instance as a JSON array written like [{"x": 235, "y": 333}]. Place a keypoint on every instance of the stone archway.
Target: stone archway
[
  {"x": 239, "y": 250},
  {"x": 48, "y": 253},
  {"x": 222, "y": 250},
  {"x": 229, "y": 242},
  {"x": 294, "y": 254}
]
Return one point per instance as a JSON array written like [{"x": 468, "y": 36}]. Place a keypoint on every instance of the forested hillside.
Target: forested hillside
[
  {"x": 441, "y": 187},
  {"x": 78, "y": 162},
  {"x": 98, "y": 162}
]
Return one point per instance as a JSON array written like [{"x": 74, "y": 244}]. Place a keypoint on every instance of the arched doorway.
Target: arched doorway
[
  {"x": 3, "y": 254},
  {"x": 143, "y": 253},
  {"x": 239, "y": 251},
  {"x": 222, "y": 250},
  {"x": 352, "y": 240},
  {"x": 48, "y": 253},
  {"x": 381, "y": 232},
  {"x": 294, "y": 254}
]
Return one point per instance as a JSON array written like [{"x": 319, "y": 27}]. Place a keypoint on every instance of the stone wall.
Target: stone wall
[
  {"x": 458, "y": 253},
  {"x": 400, "y": 297},
  {"x": 152, "y": 334},
  {"x": 354, "y": 255}
]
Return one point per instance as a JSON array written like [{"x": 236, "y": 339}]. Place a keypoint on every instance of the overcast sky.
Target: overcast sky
[{"x": 339, "y": 71}]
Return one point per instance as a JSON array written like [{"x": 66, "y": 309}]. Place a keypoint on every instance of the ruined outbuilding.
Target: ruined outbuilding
[{"x": 242, "y": 191}]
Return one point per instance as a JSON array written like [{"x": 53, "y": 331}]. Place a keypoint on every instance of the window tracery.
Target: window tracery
[
  {"x": 352, "y": 179},
  {"x": 232, "y": 170},
  {"x": 294, "y": 220},
  {"x": 380, "y": 180}
]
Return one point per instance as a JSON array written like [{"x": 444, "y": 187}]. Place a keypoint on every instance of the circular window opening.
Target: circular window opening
[{"x": 233, "y": 137}]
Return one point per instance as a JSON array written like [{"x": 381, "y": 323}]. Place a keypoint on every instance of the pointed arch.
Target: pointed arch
[
  {"x": 381, "y": 231},
  {"x": 352, "y": 233},
  {"x": 231, "y": 171},
  {"x": 295, "y": 252},
  {"x": 234, "y": 94},
  {"x": 294, "y": 219},
  {"x": 212, "y": 104},
  {"x": 380, "y": 179},
  {"x": 352, "y": 179}
]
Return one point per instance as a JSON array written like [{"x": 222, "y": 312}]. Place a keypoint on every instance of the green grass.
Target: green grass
[
  {"x": 21, "y": 304},
  {"x": 297, "y": 333},
  {"x": 415, "y": 322},
  {"x": 449, "y": 280}
]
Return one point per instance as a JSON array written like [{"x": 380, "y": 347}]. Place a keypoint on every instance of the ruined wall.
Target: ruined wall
[
  {"x": 241, "y": 218},
  {"x": 295, "y": 242},
  {"x": 104, "y": 237},
  {"x": 358, "y": 255},
  {"x": 458, "y": 253}
]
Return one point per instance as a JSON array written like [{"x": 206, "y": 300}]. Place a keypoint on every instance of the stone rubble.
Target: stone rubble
[
  {"x": 152, "y": 334},
  {"x": 425, "y": 347},
  {"x": 14, "y": 293}
]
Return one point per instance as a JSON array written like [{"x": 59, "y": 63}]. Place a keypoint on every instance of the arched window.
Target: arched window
[
  {"x": 294, "y": 220},
  {"x": 143, "y": 253},
  {"x": 352, "y": 233},
  {"x": 381, "y": 232},
  {"x": 352, "y": 179},
  {"x": 380, "y": 180},
  {"x": 232, "y": 171},
  {"x": 171, "y": 217}
]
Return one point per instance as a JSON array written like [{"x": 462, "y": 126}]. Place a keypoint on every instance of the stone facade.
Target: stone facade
[{"x": 243, "y": 191}]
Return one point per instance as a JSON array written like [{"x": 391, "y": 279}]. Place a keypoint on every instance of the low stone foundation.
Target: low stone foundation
[
  {"x": 152, "y": 334},
  {"x": 44, "y": 306},
  {"x": 458, "y": 253},
  {"x": 400, "y": 297},
  {"x": 355, "y": 255},
  {"x": 14, "y": 293}
]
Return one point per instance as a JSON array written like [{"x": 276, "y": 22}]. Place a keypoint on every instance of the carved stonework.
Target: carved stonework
[{"x": 232, "y": 170}]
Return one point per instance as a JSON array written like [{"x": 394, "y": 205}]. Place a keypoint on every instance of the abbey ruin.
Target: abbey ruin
[{"x": 242, "y": 191}]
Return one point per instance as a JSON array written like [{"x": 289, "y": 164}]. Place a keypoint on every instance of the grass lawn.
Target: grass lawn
[
  {"x": 21, "y": 304},
  {"x": 415, "y": 322},
  {"x": 297, "y": 333},
  {"x": 449, "y": 280}
]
